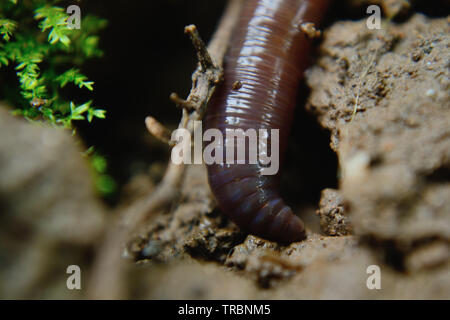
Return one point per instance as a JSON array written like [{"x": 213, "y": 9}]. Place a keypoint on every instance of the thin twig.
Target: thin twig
[
  {"x": 158, "y": 130},
  {"x": 204, "y": 82},
  {"x": 202, "y": 53}
]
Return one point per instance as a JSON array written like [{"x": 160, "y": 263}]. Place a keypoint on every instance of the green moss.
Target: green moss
[
  {"x": 104, "y": 183},
  {"x": 46, "y": 55}
]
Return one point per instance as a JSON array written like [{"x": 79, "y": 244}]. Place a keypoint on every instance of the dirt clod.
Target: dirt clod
[
  {"x": 395, "y": 151},
  {"x": 332, "y": 214}
]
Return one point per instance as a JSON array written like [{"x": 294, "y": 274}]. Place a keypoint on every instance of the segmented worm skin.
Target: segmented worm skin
[{"x": 267, "y": 55}]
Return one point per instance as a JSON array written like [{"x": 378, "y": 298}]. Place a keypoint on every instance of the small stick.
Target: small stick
[
  {"x": 175, "y": 98},
  {"x": 202, "y": 53},
  {"x": 158, "y": 130}
]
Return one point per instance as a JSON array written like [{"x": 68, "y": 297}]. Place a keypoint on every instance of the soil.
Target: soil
[{"x": 384, "y": 97}]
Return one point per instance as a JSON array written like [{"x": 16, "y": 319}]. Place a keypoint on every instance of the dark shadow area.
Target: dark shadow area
[
  {"x": 440, "y": 175},
  {"x": 310, "y": 164},
  {"x": 432, "y": 9}
]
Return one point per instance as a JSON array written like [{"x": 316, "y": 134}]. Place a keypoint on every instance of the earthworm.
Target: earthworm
[{"x": 262, "y": 69}]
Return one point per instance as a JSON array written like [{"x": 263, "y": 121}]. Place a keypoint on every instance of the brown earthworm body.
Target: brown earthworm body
[{"x": 267, "y": 57}]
